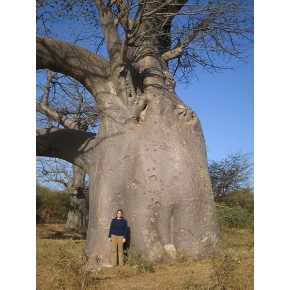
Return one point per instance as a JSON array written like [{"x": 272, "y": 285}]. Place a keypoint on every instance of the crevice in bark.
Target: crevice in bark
[{"x": 142, "y": 114}]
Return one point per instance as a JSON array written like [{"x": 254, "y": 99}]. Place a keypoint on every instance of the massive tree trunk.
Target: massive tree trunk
[{"x": 156, "y": 171}]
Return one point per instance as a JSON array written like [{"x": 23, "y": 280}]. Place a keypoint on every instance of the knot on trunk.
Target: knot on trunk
[
  {"x": 184, "y": 113},
  {"x": 138, "y": 109}
]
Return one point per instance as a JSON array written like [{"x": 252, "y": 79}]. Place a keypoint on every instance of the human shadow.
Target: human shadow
[{"x": 126, "y": 245}]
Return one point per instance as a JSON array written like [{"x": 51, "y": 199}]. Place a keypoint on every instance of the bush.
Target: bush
[
  {"x": 51, "y": 206},
  {"x": 236, "y": 210},
  {"x": 243, "y": 198},
  {"x": 234, "y": 217}
]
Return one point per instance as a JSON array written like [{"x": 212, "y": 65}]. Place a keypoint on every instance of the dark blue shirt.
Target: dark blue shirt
[{"x": 118, "y": 227}]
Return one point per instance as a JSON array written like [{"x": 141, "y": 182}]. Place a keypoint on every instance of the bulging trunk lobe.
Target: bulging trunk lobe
[{"x": 155, "y": 169}]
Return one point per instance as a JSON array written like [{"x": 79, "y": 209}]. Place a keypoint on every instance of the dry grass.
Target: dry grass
[{"x": 60, "y": 263}]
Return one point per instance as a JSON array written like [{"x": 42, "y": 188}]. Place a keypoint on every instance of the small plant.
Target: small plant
[
  {"x": 190, "y": 285},
  {"x": 223, "y": 266},
  {"x": 132, "y": 259}
]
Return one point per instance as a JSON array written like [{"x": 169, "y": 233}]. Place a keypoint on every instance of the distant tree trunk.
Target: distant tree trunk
[{"x": 78, "y": 206}]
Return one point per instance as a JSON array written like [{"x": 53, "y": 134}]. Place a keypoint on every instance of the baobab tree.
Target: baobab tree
[
  {"x": 148, "y": 156},
  {"x": 74, "y": 181}
]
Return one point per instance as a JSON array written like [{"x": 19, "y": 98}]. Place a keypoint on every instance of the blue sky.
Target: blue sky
[{"x": 224, "y": 103}]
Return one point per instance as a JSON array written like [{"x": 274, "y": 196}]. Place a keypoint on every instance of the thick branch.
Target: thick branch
[
  {"x": 156, "y": 23},
  {"x": 115, "y": 50},
  {"x": 56, "y": 116},
  {"x": 89, "y": 69},
  {"x": 70, "y": 145},
  {"x": 124, "y": 18},
  {"x": 44, "y": 99}
]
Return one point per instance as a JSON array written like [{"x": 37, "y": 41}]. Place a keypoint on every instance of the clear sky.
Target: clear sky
[{"x": 224, "y": 103}]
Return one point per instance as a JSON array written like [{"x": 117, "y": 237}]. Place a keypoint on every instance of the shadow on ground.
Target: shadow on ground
[
  {"x": 54, "y": 232},
  {"x": 64, "y": 236}
]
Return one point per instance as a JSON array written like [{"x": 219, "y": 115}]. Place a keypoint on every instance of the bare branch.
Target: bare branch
[
  {"x": 71, "y": 145},
  {"x": 59, "y": 117},
  {"x": 124, "y": 18},
  {"x": 44, "y": 99},
  {"x": 178, "y": 50}
]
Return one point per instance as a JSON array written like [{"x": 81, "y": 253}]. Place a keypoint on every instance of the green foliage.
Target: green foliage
[
  {"x": 236, "y": 210},
  {"x": 243, "y": 198},
  {"x": 234, "y": 217},
  {"x": 132, "y": 259},
  {"x": 51, "y": 206}
]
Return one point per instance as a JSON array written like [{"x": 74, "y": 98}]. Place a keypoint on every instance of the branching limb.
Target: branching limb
[
  {"x": 45, "y": 96},
  {"x": 178, "y": 50},
  {"x": 124, "y": 18},
  {"x": 71, "y": 145},
  {"x": 114, "y": 47},
  {"x": 59, "y": 117},
  {"x": 44, "y": 108},
  {"x": 86, "y": 67}
]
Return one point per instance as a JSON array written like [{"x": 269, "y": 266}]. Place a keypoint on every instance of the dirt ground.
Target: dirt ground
[{"x": 60, "y": 261}]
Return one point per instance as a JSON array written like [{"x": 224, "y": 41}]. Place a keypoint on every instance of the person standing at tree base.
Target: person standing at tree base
[{"x": 118, "y": 236}]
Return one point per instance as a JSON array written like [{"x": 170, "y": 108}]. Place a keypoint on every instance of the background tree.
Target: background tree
[
  {"x": 148, "y": 156},
  {"x": 59, "y": 174},
  {"x": 231, "y": 173},
  {"x": 64, "y": 102},
  {"x": 51, "y": 205}
]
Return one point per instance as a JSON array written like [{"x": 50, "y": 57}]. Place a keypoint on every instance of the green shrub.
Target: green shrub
[
  {"x": 243, "y": 198},
  {"x": 51, "y": 206},
  {"x": 234, "y": 217},
  {"x": 236, "y": 210},
  {"x": 132, "y": 259}
]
